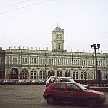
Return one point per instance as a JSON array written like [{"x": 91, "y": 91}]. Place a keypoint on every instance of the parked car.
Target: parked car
[
  {"x": 24, "y": 81},
  {"x": 53, "y": 79},
  {"x": 68, "y": 92},
  {"x": 10, "y": 81},
  {"x": 38, "y": 82},
  {"x": 33, "y": 81},
  {"x": 21, "y": 81},
  {"x": 41, "y": 82}
]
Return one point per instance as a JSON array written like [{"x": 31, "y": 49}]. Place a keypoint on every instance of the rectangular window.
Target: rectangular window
[
  {"x": 81, "y": 75},
  {"x": 14, "y": 60},
  {"x": 84, "y": 62},
  {"x": 34, "y": 60},
  {"x": 24, "y": 60}
]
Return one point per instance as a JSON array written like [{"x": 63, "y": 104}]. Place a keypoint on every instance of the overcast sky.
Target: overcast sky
[{"x": 29, "y": 23}]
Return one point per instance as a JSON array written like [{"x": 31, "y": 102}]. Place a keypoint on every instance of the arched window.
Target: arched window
[
  {"x": 14, "y": 73},
  {"x": 24, "y": 74},
  {"x": 44, "y": 75},
  {"x": 82, "y": 75},
  {"x": 85, "y": 75},
  {"x": 67, "y": 73},
  {"x": 76, "y": 75},
  {"x": 33, "y": 74},
  {"x": 40, "y": 74},
  {"x": 73, "y": 75},
  {"x": 59, "y": 73},
  {"x": 51, "y": 73}
]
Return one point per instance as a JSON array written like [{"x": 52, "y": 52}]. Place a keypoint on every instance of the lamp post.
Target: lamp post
[
  {"x": 45, "y": 65},
  {"x": 96, "y": 46}
]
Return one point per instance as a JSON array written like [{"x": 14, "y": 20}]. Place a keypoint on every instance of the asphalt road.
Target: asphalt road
[{"x": 28, "y": 96}]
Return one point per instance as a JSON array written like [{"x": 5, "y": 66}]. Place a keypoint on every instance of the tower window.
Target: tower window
[{"x": 59, "y": 46}]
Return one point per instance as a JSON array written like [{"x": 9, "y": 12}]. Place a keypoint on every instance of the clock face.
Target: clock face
[{"x": 59, "y": 36}]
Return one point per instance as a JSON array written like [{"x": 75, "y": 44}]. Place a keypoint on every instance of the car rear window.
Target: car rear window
[{"x": 73, "y": 86}]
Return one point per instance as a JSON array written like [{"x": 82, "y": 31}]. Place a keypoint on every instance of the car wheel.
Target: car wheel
[{"x": 50, "y": 100}]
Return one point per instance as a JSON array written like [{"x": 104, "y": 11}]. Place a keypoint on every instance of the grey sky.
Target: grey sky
[{"x": 29, "y": 23}]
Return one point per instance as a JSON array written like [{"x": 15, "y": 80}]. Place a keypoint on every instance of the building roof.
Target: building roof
[{"x": 58, "y": 29}]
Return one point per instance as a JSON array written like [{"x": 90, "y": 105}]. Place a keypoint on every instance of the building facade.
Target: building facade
[
  {"x": 21, "y": 63},
  {"x": 2, "y": 64}
]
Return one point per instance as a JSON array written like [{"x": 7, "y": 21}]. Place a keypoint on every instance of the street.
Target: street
[{"x": 28, "y": 96}]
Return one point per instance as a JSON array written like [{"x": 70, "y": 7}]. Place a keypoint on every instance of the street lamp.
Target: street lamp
[{"x": 96, "y": 46}]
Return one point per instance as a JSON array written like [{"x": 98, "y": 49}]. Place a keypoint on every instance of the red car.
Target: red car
[{"x": 72, "y": 93}]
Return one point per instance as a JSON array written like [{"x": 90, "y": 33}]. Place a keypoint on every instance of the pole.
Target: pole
[
  {"x": 96, "y": 66},
  {"x": 96, "y": 46}
]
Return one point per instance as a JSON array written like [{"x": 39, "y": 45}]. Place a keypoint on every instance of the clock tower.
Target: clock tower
[{"x": 58, "y": 39}]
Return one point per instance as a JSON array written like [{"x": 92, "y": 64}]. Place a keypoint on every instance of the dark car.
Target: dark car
[{"x": 76, "y": 93}]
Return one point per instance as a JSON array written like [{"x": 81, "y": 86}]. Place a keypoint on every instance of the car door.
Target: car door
[
  {"x": 65, "y": 93},
  {"x": 60, "y": 92},
  {"x": 73, "y": 93}
]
